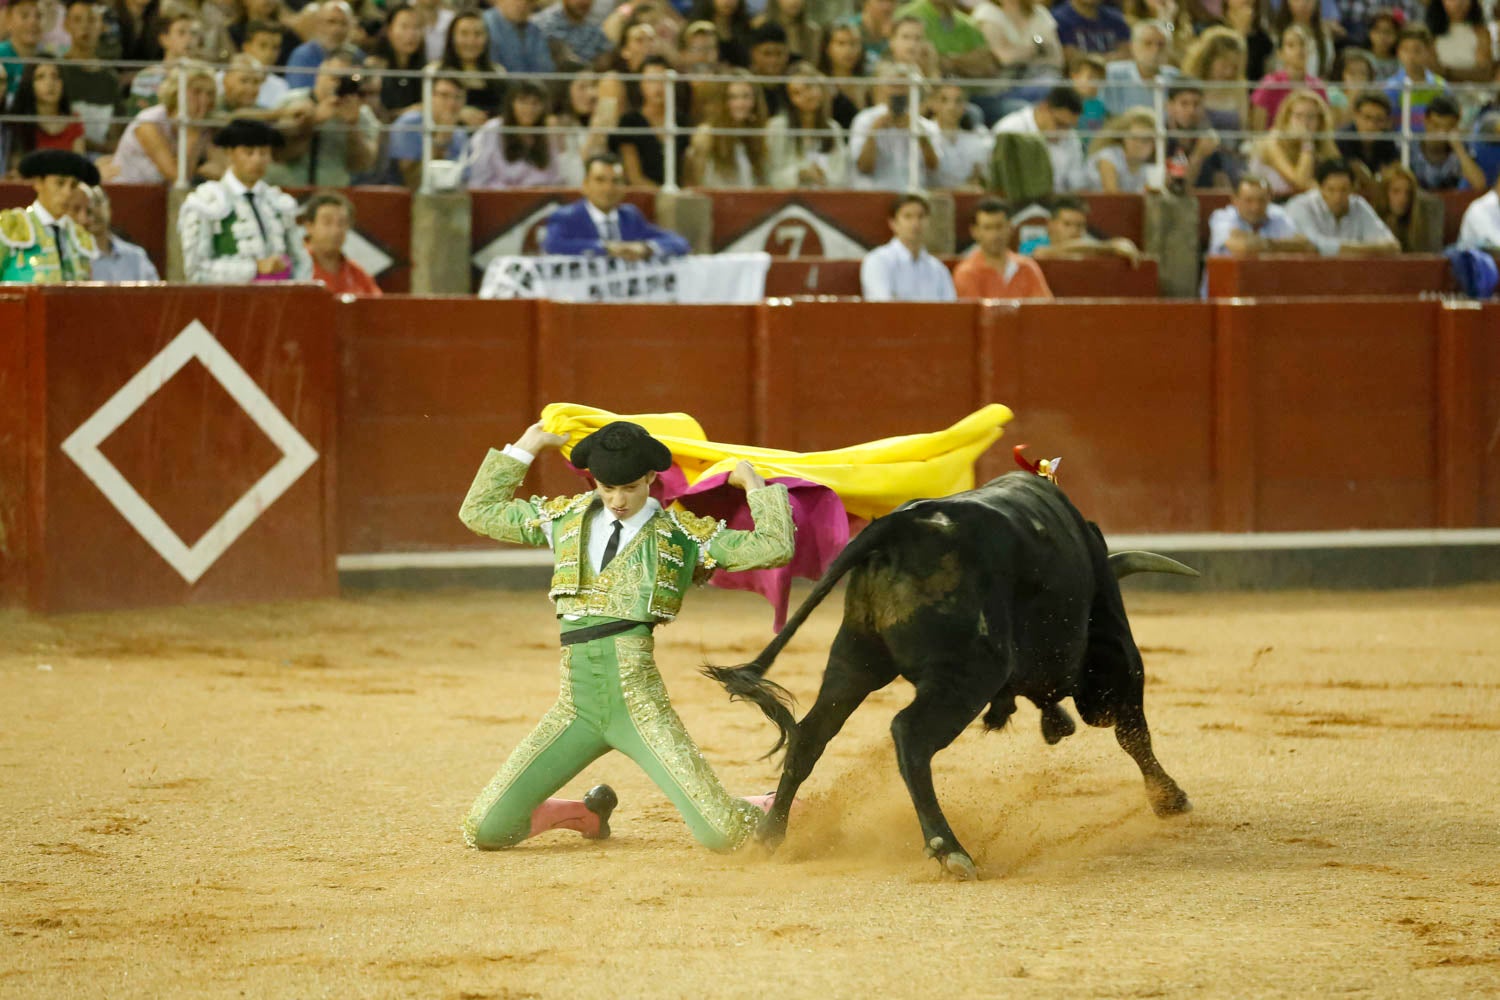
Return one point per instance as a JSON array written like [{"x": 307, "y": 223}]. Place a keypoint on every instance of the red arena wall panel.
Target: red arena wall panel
[
  {"x": 1124, "y": 392},
  {"x": 836, "y": 373},
  {"x": 428, "y": 386},
  {"x": 1082, "y": 277},
  {"x": 185, "y": 455},
  {"x": 835, "y": 224},
  {"x": 1340, "y": 421},
  {"x": 650, "y": 359},
  {"x": 1487, "y": 368},
  {"x": 1455, "y": 203},
  {"x": 1324, "y": 277},
  {"x": 13, "y": 449}
]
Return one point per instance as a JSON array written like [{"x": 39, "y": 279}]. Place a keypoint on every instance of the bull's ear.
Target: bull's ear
[{"x": 1095, "y": 529}]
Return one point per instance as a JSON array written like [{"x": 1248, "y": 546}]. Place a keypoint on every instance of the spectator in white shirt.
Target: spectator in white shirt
[
  {"x": 1337, "y": 221},
  {"x": 965, "y": 152},
  {"x": 1250, "y": 224},
  {"x": 263, "y": 41},
  {"x": 119, "y": 259},
  {"x": 1055, "y": 118},
  {"x": 1131, "y": 83},
  {"x": 880, "y": 136},
  {"x": 902, "y": 270},
  {"x": 1480, "y": 229}
]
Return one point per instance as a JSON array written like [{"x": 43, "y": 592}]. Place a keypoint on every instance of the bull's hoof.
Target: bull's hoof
[
  {"x": 958, "y": 863},
  {"x": 953, "y": 860},
  {"x": 1057, "y": 724},
  {"x": 1171, "y": 801},
  {"x": 770, "y": 834}
]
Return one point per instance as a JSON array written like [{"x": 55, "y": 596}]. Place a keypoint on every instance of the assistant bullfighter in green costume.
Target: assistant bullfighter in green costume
[{"x": 621, "y": 566}]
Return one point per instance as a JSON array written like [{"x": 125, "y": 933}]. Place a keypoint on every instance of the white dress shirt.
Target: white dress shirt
[
  {"x": 1360, "y": 223},
  {"x": 607, "y": 224},
  {"x": 1480, "y": 229},
  {"x": 890, "y": 273},
  {"x": 601, "y": 523}
]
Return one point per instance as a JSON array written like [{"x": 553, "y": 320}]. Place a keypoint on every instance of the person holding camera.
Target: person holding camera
[
  {"x": 880, "y": 136},
  {"x": 332, "y": 134}
]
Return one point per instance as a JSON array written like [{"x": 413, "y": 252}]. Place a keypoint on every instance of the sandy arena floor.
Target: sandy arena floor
[{"x": 265, "y": 802}]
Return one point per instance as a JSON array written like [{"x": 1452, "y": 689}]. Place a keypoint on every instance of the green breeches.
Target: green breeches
[{"x": 611, "y": 698}]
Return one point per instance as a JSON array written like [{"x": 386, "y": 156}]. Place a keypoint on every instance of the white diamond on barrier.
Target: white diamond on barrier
[
  {"x": 512, "y": 242},
  {"x": 369, "y": 256},
  {"x": 297, "y": 455}
]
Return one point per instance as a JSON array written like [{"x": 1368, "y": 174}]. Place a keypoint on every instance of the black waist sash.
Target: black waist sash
[{"x": 602, "y": 631}]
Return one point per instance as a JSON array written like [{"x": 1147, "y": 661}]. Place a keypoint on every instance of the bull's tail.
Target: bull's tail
[{"x": 747, "y": 681}]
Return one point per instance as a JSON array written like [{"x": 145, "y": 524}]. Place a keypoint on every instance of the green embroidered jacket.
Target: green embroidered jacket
[
  {"x": 646, "y": 580},
  {"x": 29, "y": 253}
]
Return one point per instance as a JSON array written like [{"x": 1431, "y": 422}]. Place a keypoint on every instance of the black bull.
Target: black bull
[{"x": 976, "y": 599}]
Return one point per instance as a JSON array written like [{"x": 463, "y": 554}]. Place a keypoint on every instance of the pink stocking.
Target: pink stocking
[
  {"x": 766, "y": 801},
  {"x": 564, "y": 814}
]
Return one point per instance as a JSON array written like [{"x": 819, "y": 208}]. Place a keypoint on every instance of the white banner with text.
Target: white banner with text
[{"x": 719, "y": 278}]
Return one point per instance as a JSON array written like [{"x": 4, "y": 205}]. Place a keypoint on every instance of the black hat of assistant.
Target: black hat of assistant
[
  {"x": 58, "y": 163},
  {"x": 248, "y": 132},
  {"x": 620, "y": 453}
]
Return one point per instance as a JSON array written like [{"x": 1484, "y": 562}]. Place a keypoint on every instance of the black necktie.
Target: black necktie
[
  {"x": 250, "y": 197},
  {"x": 612, "y": 546},
  {"x": 62, "y": 256}
]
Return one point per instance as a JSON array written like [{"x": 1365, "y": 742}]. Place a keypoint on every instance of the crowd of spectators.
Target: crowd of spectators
[
  {"x": 1282, "y": 97},
  {"x": 1264, "y": 88}
]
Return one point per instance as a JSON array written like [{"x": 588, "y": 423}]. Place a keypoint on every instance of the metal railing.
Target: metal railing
[{"x": 672, "y": 130}]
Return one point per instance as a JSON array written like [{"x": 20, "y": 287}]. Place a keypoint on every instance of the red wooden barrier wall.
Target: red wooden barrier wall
[
  {"x": 427, "y": 386},
  {"x": 1124, "y": 392},
  {"x": 14, "y": 522},
  {"x": 1486, "y": 368},
  {"x": 1313, "y": 277},
  {"x": 189, "y": 447},
  {"x": 1173, "y": 416},
  {"x": 1327, "y": 415},
  {"x": 1082, "y": 277}
]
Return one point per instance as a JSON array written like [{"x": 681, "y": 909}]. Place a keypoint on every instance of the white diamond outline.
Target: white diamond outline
[{"x": 297, "y": 455}]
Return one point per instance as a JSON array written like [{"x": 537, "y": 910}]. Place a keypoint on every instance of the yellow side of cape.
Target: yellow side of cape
[{"x": 871, "y": 479}]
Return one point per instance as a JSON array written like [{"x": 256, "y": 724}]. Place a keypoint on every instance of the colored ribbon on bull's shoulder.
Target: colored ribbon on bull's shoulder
[{"x": 831, "y": 491}]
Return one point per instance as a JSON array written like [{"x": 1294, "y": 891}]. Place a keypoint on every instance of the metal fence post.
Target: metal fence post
[
  {"x": 426, "y": 185},
  {"x": 1159, "y": 100},
  {"x": 914, "y": 132},
  {"x": 669, "y": 155},
  {"x": 182, "y": 127},
  {"x": 1406, "y": 123}
]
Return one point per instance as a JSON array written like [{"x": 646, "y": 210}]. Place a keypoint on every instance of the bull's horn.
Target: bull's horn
[{"x": 1126, "y": 563}]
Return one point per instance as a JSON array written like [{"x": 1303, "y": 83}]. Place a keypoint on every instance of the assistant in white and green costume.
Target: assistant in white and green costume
[
  {"x": 621, "y": 566},
  {"x": 239, "y": 229}
]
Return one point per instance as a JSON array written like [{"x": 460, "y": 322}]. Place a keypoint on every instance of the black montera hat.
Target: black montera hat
[
  {"x": 58, "y": 163},
  {"x": 248, "y": 132},
  {"x": 620, "y": 453}
]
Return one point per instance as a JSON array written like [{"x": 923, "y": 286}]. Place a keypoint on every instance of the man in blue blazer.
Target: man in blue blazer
[{"x": 602, "y": 224}]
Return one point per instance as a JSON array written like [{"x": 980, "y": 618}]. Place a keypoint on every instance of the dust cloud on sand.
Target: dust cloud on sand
[{"x": 265, "y": 802}]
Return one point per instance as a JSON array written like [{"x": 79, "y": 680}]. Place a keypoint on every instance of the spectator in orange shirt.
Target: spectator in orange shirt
[
  {"x": 326, "y": 219},
  {"x": 992, "y": 270}
]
